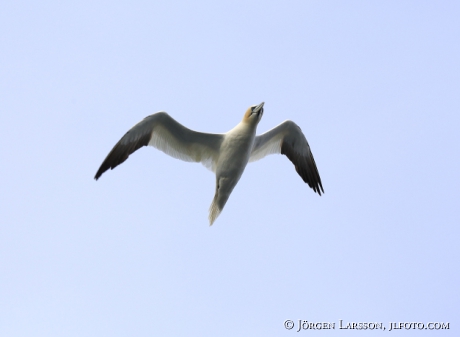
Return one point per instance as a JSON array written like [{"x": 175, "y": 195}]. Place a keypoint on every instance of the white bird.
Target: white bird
[{"x": 225, "y": 154}]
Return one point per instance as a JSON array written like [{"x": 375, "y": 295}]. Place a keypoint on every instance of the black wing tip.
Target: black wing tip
[
  {"x": 318, "y": 189},
  {"x": 118, "y": 155},
  {"x": 97, "y": 176},
  {"x": 126, "y": 146},
  {"x": 305, "y": 167},
  {"x": 100, "y": 172},
  {"x": 311, "y": 178},
  {"x": 314, "y": 184},
  {"x": 318, "y": 186}
]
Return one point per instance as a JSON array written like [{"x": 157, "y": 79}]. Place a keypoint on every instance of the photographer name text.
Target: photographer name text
[{"x": 302, "y": 324}]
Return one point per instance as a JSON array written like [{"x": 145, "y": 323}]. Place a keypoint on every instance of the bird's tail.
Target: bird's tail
[
  {"x": 224, "y": 188},
  {"x": 214, "y": 210}
]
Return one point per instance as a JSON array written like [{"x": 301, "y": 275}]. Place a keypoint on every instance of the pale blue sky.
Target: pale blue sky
[{"x": 375, "y": 87}]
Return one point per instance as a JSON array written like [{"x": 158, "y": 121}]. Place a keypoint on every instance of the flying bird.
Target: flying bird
[{"x": 225, "y": 154}]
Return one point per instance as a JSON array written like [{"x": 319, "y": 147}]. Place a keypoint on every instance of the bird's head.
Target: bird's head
[{"x": 254, "y": 113}]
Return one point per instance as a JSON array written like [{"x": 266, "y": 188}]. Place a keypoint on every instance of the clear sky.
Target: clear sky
[{"x": 375, "y": 87}]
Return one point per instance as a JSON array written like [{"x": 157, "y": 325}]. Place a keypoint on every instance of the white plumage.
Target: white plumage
[{"x": 225, "y": 154}]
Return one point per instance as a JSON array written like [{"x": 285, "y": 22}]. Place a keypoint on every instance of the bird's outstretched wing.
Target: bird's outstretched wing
[
  {"x": 166, "y": 134},
  {"x": 288, "y": 139}
]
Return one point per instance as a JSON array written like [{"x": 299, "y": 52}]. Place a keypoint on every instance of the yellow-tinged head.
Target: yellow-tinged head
[{"x": 254, "y": 113}]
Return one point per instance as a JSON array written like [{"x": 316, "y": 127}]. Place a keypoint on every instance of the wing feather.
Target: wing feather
[
  {"x": 166, "y": 134},
  {"x": 288, "y": 139}
]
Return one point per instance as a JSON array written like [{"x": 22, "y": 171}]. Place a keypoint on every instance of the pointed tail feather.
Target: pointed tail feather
[{"x": 214, "y": 210}]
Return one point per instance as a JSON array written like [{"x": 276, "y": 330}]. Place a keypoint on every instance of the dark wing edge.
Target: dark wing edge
[
  {"x": 305, "y": 165},
  {"x": 123, "y": 149},
  {"x": 289, "y": 140}
]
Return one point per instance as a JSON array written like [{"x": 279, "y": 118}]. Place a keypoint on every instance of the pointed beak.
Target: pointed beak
[{"x": 259, "y": 107}]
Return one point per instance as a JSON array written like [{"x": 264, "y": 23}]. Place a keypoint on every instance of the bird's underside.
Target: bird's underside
[{"x": 166, "y": 134}]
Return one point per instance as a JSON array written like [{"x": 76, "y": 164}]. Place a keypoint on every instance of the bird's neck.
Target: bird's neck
[{"x": 244, "y": 128}]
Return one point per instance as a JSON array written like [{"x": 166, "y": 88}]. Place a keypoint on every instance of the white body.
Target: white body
[{"x": 234, "y": 155}]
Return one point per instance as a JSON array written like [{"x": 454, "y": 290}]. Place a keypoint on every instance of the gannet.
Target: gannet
[{"x": 225, "y": 154}]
